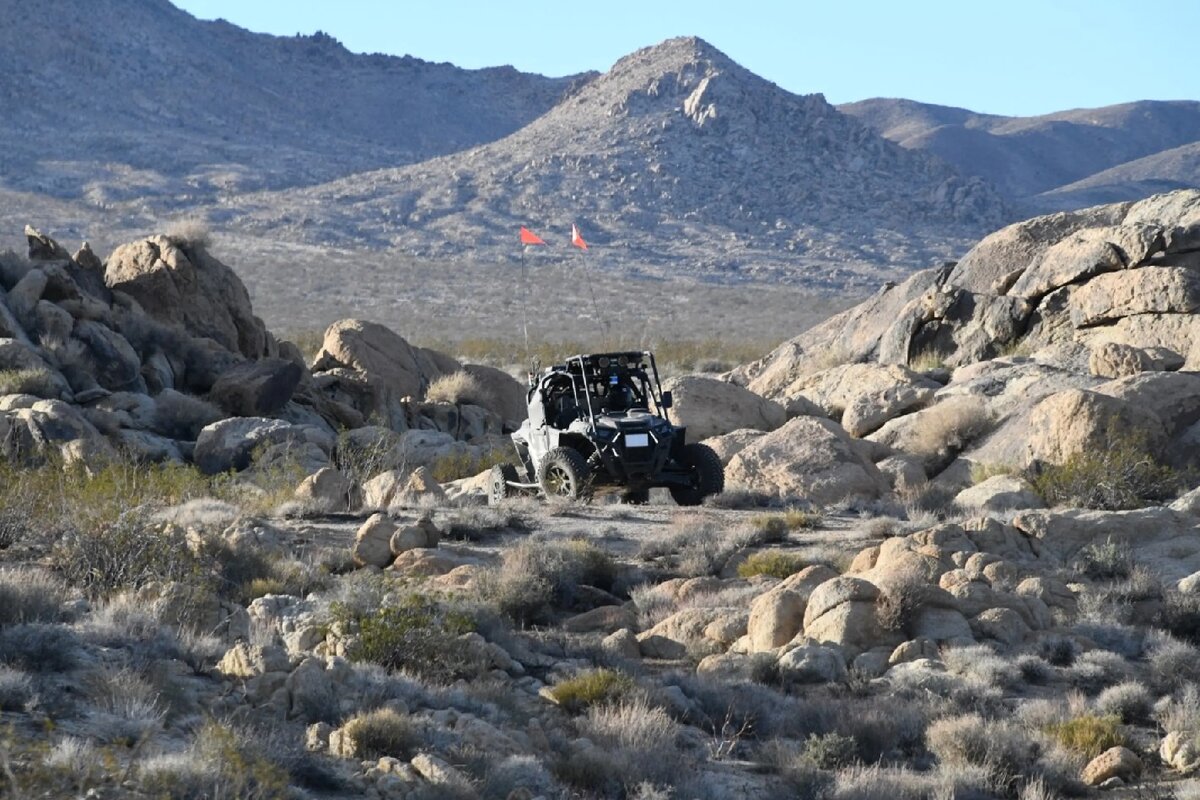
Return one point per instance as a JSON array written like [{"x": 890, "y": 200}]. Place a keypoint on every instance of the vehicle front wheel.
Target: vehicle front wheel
[
  {"x": 564, "y": 473},
  {"x": 706, "y": 475},
  {"x": 498, "y": 480}
]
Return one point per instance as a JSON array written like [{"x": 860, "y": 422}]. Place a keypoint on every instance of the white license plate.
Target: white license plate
[{"x": 637, "y": 440}]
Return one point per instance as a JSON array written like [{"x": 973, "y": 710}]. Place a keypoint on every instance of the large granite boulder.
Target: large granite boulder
[
  {"x": 810, "y": 458},
  {"x": 710, "y": 407},
  {"x": 185, "y": 286}
]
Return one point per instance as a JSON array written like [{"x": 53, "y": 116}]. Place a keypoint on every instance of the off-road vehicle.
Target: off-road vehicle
[{"x": 590, "y": 425}]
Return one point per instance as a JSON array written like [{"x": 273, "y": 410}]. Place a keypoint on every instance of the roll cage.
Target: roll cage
[{"x": 586, "y": 386}]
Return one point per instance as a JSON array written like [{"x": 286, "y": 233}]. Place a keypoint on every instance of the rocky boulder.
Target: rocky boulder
[
  {"x": 999, "y": 493},
  {"x": 710, "y": 407},
  {"x": 506, "y": 393},
  {"x": 256, "y": 388},
  {"x": 730, "y": 444},
  {"x": 382, "y": 358},
  {"x": 841, "y": 611},
  {"x": 808, "y": 458},
  {"x": 185, "y": 286},
  {"x": 1076, "y": 421},
  {"x": 864, "y": 396},
  {"x": 230, "y": 444}
]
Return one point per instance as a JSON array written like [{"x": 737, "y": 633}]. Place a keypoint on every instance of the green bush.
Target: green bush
[
  {"x": 1089, "y": 735},
  {"x": 777, "y": 525},
  {"x": 1121, "y": 474},
  {"x": 591, "y": 688},
  {"x": 772, "y": 563},
  {"x": 414, "y": 634},
  {"x": 830, "y": 750}
]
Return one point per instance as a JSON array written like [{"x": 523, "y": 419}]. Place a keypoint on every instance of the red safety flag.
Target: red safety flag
[
  {"x": 576, "y": 239},
  {"x": 529, "y": 237}
]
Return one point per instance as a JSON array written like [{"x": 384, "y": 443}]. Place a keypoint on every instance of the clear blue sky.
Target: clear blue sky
[{"x": 1006, "y": 56}]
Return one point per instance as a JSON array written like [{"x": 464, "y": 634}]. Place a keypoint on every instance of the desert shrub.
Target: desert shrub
[
  {"x": 771, "y": 562},
  {"x": 830, "y": 750},
  {"x": 592, "y": 688},
  {"x": 39, "y": 648},
  {"x": 78, "y": 758},
  {"x": 414, "y": 634},
  {"x": 182, "y": 416},
  {"x": 1097, "y": 669},
  {"x": 981, "y": 664},
  {"x": 1126, "y": 640},
  {"x": 30, "y": 595},
  {"x": 981, "y": 472},
  {"x": 1182, "y": 711},
  {"x": 129, "y": 551},
  {"x": 1107, "y": 560},
  {"x": 459, "y": 388},
  {"x": 779, "y": 524},
  {"x": 877, "y": 782},
  {"x": 1001, "y": 747},
  {"x": 1120, "y": 474},
  {"x": 1180, "y": 615},
  {"x": 508, "y": 776},
  {"x": 466, "y": 464},
  {"x": 125, "y": 706},
  {"x": 1059, "y": 651},
  {"x": 383, "y": 732},
  {"x": 1174, "y": 663},
  {"x": 37, "y": 382},
  {"x": 948, "y": 427},
  {"x": 16, "y": 689},
  {"x": 696, "y": 545},
  {"x": 1129, "y": 701},
  {"x": 537, "y": 577},
  {"x": 218, "y": 763},
  {"x": 741, "y": 499},
  {"x": 478, "y": 522},
  {"x": 640, "y": 738},
  {"x": 1087, "y": 734},
  {"x": 901, "y": 595},
  {"x": 1034, "y": 669},
  {"x": 188, "y": 232}
]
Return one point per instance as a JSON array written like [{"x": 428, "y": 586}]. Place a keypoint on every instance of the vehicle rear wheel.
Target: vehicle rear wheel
[
  {"x": 498, "y": 480},
  {"x": 564, "y": 473},
  {"x": 707, "y": 476}
]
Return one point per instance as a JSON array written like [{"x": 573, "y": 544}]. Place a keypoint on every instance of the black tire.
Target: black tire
[
  {"x": 498, "y": 480},
  {"x": 564, "y": 473},
  {"x": 636, "y": 497},
  {"x": 707, "y": 475}
]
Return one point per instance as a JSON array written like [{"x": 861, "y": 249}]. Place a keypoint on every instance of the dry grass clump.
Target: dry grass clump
[
  {"x": 125, "y": 706},
  {"x": 591, "y": 688},
  {"x": 1174, "y": 664},
  {"x": 383, "y": 732},
  {"x": 901, "y": 595},
  {"x": 538, "y": 577},
  {"x": 1107, "y": 560},
  {"x": 948, "y": 427},
  {"x": 16, "y": 689},
  {"x": 774, "y": 563},
  {"x": 638, "y": 738},
  {"x": 1182, "y": 711},
  {"x": 778, "y": 525},
  {"x": 468, "y": 464},
  {"x": 983, "y": 666},
  {"x": 220, "y": 762},
  {"x": 29, "y": 594},
  {"x": 188, "y": 232},
  {"x": 877, "y": 782},
  {"x": 696, "y": 544},
  {"x": 459, "y": 388},
  {"x": 37, "y": 382},
  {"x": 1003, "y": 748},
  {"x": 1097, "y": 669},
  {"x": 39, "y": 647}
]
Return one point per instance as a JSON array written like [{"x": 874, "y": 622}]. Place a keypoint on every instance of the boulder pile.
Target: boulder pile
[
  {"x": 156, "y": 353},
  {"x": 1045, "y": 339}
]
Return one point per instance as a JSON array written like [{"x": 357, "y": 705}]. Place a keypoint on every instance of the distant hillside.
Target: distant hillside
[
  {"x": 676, "y": 156},
  {"x": 111, "y": 101},
  {"x": 1028, "y": 156}
]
